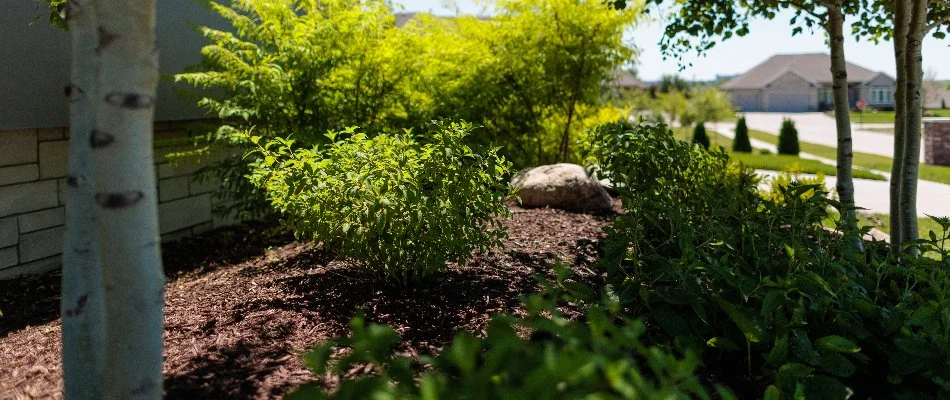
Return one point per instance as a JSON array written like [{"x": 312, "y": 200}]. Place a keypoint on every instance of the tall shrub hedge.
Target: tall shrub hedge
[{"x": 740, "y": 143}]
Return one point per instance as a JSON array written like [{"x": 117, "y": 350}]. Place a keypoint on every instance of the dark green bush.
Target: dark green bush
[
  {"x": 699, "y": 135},
  {"x": 395, "y": 204},
  {"x": 740, "y": 143},
  {"x": 788, "y": 138},
  {"x": 542, "y": 356},
  {"x": 806, "y": 316}
]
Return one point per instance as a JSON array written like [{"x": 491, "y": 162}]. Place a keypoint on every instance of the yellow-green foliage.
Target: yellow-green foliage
[
  {"x": 779, "y": 185},
  {"x": 302, "y": 68}
]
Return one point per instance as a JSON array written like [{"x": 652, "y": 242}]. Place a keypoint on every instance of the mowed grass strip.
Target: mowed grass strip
[
  {"x": 781, "y": 162},
  {"x": 933, "y": 173},
  {"x": 775, "y": 162}
]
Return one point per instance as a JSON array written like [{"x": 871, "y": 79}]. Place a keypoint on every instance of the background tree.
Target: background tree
[
  {"x": 740, "y": 143},
  {"x": 788, "y": 138},
  {"x": 907, "y": 22},
  {"x": 699, "y": 135},
  {"x": 698, "y": 25},
  {"x": 673, "y": 83},
  {"x": 125, "y": 199},
  {"x": 81, "y": 303}
]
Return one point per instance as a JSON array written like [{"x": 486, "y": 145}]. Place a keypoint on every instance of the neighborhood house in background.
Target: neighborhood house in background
[{"x": 802, "y": 82}]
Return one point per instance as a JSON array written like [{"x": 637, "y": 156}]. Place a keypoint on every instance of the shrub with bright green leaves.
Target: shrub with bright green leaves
[
  {"x": 699, "y": 135},
  {"x": 601, "y": 356},
  {"x": 788, "y": 138},
  {"x": 397, "y": 204},
  {"x": 740, "y": 144},
  {"x": 653, "y": 171},
  {"x": 805, "y": 315}
]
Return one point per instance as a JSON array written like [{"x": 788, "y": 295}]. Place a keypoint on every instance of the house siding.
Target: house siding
[
  {"x": 746, "y": 100},
  {"x": 35, "y": 59},
  {"x": 791, "y": 93},
  {"x": 33, "y": 196}
]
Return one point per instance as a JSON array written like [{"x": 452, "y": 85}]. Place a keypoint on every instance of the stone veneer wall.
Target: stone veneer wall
[
  {"x": 33, "y": 187},
  {"x": 937, "y": 141}
]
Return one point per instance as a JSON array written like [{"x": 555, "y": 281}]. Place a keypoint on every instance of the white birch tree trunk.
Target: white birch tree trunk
[
  {"x": 839, "y": 74},
  {"x": 912, "y": 119},
  {"x": 81, "y": 304},
  {"x": 901, "y": 22},
  {"x": 125, "y": 199}
]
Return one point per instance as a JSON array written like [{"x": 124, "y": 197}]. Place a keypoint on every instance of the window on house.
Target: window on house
[
  {"x": 825, "y": 96},
  {"x": 881, "y": 95}
]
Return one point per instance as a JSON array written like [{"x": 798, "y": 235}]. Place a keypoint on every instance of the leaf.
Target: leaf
[
  {"x": 752, "y": 331},
  {"x": 779, "y": 351},
  {"x": 772, "y": 393},
  {"x": 822, "y": 387},
  {"x": 579, "y": 290},
  {"x": 722, "y": 343},
  {"x": 836, "y": 364},
  {"x": 837, "y": 344},
  {"x": 316, "y": 359}
]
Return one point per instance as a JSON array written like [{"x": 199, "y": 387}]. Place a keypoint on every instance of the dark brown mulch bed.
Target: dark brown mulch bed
[{"x": 243, "y": 302}]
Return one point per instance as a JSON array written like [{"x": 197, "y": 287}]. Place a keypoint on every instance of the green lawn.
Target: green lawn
[
  {"x": 774, "y": 162},
  {"x": 885, "y": 116},
  {"x": 932, "y": 173}
]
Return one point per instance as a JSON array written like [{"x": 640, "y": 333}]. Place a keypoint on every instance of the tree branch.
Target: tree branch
[{"x": 937, "y": 23}]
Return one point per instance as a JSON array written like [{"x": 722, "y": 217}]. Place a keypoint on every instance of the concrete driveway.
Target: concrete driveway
[{"x": 816, "y": 127}]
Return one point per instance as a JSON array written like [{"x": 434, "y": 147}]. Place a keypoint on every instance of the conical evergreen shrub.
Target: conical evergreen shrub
[
  {"x": 788, "y": 138},
  {"x": 741, "y": 142},
  {"x": 699, "y": 135}
]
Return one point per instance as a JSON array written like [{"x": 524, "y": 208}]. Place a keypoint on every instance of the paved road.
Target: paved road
[
  {"x": 932, "y": 197},
  {"x": 816, "y": 127}
]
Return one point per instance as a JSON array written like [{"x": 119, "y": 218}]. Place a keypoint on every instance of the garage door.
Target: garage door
[
  {"x": 790, "y": 101},
  {"x": 745, "y": 101}
]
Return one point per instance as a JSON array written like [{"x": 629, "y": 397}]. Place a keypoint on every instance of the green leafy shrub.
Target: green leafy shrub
[
  {"x": 788, "y": 138},
  {"x": 806, "y": 315},
  {"x": 653, "y": 171},
  {"x": 395, "y": 204},
  {"x": 779, "y": 186},
  {"x": 600, "y": 356},
  {"x": 741, "y": 142},
  {"x": 699, "y": 135}
]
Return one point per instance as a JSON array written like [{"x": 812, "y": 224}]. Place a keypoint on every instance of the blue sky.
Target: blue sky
[{"x": 737, "y": 54}]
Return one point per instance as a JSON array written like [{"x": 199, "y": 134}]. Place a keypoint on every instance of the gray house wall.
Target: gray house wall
[
  {"x": 34, "y": 68},
  {"x": 791, "y": 92},
  {"x": 35, "y": 59}
]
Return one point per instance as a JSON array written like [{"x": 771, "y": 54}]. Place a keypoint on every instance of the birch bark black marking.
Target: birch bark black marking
[
  {"x": 74, "y": 181},
  {"x": 80, "y": 306},
  {"x": 841, "y": 75},
  {"x": 105, "y": 38},
  {"x": 99, "y": 139},
  {"x": 116, "y": 200},
  {"x": 73, "y": 93},
  {"x": 132, "y": 101}
]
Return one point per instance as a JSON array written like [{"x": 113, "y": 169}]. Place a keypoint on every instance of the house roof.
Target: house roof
[
  {"x": 626, "y": 80},
  {"x": 813, "y": 67}
]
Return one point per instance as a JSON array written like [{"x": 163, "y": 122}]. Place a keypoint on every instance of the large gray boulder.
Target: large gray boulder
[{"x": 564, "y": 186}]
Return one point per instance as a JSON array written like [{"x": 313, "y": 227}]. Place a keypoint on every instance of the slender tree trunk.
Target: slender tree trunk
[
  {"x": 839, "y": 73},
  {"x": 901, "y": 23},
  {"x": 565, "y": 137},
  {"x": 912, "y": 118},
  {"x": 126, "y": 207},
  {"x": 81, "y": 304}
]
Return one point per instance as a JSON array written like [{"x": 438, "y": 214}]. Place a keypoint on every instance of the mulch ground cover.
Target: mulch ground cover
[{"x": 243, "y": 302}]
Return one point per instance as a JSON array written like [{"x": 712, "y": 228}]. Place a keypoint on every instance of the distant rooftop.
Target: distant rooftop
[{"x": 814, "y": 67}]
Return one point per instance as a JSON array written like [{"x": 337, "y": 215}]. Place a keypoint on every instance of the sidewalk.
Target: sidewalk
[
  {"x": 818, "y": 128},
  {"x": 932, "y": 197}
]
